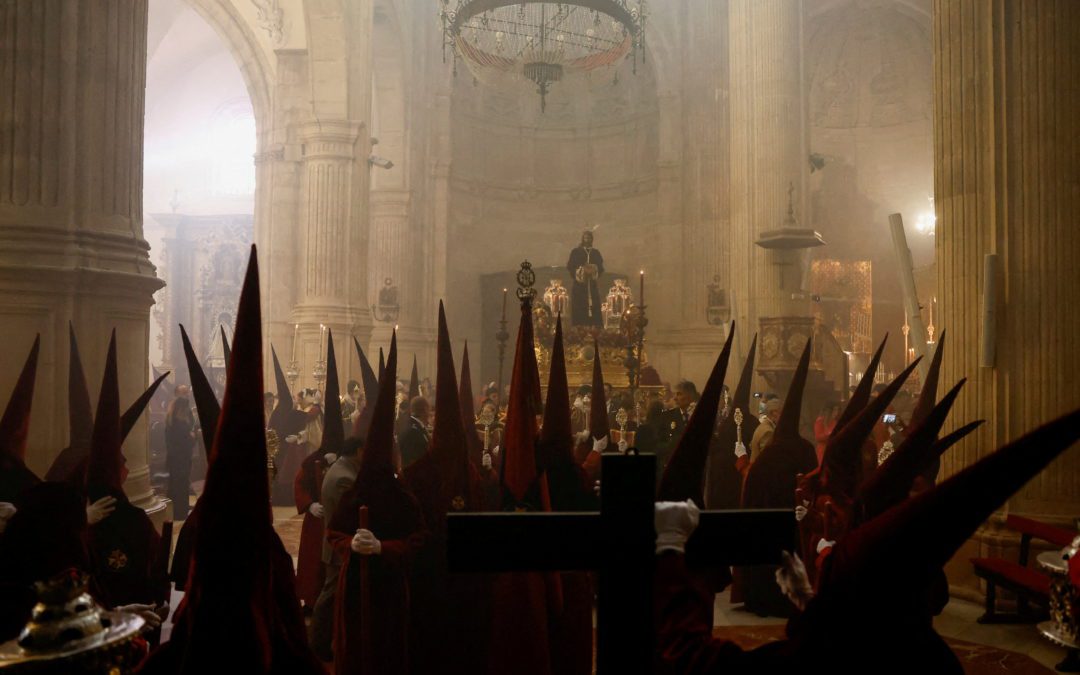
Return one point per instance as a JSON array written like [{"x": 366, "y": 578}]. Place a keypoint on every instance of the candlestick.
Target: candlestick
[
  {"x": 322, "y": 341},
  {"x": 505, "y": 291},
  {"x": 295, "y": 331},
  {"x": 641, "y": 292}
]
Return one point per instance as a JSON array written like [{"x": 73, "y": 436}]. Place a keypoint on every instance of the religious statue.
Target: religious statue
[
  {"x": 585, "y": 265},
  {"x": 556, "y": 297}
]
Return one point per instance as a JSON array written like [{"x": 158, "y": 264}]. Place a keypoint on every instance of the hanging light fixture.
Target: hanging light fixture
[{"x": 543, "y": 42}]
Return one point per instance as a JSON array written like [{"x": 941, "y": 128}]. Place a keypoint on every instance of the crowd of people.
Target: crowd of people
[{"x": 376, "y": 470}]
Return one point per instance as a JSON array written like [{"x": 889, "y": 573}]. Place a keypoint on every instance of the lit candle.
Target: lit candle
[
  {"x": 504, "y": 305},
  {"x": 322, "y": 339},
  {"x": 932, "y": 301},
  {"x": 295, "y": 331},
  {"x": 641, "y": 292}
]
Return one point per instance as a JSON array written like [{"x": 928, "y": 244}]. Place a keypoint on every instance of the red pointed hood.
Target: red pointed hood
[
  {"x": 909, "y": 543},
  {"x": 225, "y": 351},
  {"x": 468, "y": 411},
  {"x": 382, "y": 363},
  {"x": 861, "y": 397},
  {"x": 378, "y": 457},
  {"x": 334, "y": 425},
  {"x": 598, "y": 417},
  {"x": 14, "y": 429},
  {"x": 371, "y": 392},
  {"x": 80, "y": 412},
  {"x": 206, "y": 403},
  {"x": 892, "y": 482},
  {"x": 842, "y": 461},
  {"x": 238, "y": 610},
  {"x": 788, "y": 424},
  {"x": 414, "y": 380},
  {"x": 519, "y": 438},
  {"x": 928, "y": 394},
  {"x": 448, "y": 444},
  {"x": 556, "y": 440},
  {"x": 684, "y": 476},
  {"x": 106, "y": 470}
]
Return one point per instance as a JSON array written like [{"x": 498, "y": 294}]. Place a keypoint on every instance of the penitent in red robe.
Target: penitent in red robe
[
  {"x": 396, "y": 522},
  {"x": 307, "y": 489}
]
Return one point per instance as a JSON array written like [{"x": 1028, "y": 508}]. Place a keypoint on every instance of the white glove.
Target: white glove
[
  {"x": 675, "y": 522},
  {"x": 292, "y": 439},
  {"x": 495, "y": 450},
  {"x": 623, "y": 445},
  {"x": 317, "y": 510},
  {"x": 150, "y": 614},
  {"x": 801, "y": 510},
  {"x": 302, "y": 437},
  {"x": 824, "y": 544},
  {"x": 100, "y": 510},
  {"x": 365, "y": 543},
  {"x": 793, "y": 580},
  {"x": 740, "y": 449},
  {"x": 600, "y": 445},
  {"x": 329, "y": 458},
  {"x": 596, "y": 488},
  {"x": 485, "y": 461},
  {"x": 583, "y": 436},
  {"x": 7, "y": 510}
]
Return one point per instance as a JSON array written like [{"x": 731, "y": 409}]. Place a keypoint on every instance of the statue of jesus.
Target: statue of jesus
[{"x": 585, "y": 267}]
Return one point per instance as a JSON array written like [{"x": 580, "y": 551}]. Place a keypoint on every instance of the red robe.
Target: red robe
[
  {"x": 449, "y": 613},
  {"x": 124, "y": 550},
  {"x": 307, "y": 490},
  {"x": 396, "y": 521}
]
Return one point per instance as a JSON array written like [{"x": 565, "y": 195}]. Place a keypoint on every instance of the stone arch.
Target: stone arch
[{"x": 250, "y": 58}]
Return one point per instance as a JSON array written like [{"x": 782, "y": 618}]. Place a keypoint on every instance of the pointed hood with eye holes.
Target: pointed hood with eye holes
[
  {"x": 883, "y": 568},
  {"x": 240, "y": 612},
  {"x": 468, "y": 411},
  {"x": 863, "y": 391},
  {"x": 15, "y": 477},
  {"x": 106, "y": 468},
  {"x": 414, "y": 380},
  {"x": 285, "y": 419},
  {"x": 444, "y": 479},
  {"x": 684, "y": 477},
  {"x": 771, "y": 479},
  {"x": 378, "y": 457},
  {"x": 333, "y": 439},
  {"x": 371, "y": 392},
  {"x": 598, "y": 413},
  {"x": 520, "y": 472},
  {"x": 382, "y": 363},
  {"x": 206, "y": 403},
  {"x": 725, "y": 481},
  {"x": 226, "y": 352}
]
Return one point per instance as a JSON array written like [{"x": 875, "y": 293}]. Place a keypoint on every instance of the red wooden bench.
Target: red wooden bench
[{"x": 1030, "y": 586}]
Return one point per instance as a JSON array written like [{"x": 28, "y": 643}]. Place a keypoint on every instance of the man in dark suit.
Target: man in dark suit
[
  {"x": 674, "y": 421},
  {"x": 338, "y": 480},
  {"x": 415, "y": 439}
]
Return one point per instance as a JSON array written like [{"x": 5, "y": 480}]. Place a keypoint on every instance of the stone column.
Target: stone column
[
  {"x": 71, "y": 238},
  {"x": 1006, "y": 176},
  {"x": 768, "y": 148},
  {"x": 331, "y": 279}
]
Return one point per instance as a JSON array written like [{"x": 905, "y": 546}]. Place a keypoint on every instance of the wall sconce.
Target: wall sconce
[{"x": 388, "y": 308}]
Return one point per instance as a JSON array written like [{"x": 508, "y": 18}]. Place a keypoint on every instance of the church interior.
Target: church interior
[{"x": 704, "y": 232}]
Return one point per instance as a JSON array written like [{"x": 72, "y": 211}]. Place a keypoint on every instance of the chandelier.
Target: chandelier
[{"x": 544, "y": 42}]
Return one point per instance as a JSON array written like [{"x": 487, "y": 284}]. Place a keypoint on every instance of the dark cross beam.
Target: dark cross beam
[{"x": 619, "y": 544}]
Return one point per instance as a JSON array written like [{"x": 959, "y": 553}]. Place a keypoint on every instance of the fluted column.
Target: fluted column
[
  {"x": 768, "y": 148},
  {"x": 332, "y": 281},
  {"x": 73, "y": 75},
  {"x": 1006, "y": 142}
]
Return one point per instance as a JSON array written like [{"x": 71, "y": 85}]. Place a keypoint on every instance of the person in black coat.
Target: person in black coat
[
  {"x": 180, "y": 433},
  {"x": 415, "y": 438}
]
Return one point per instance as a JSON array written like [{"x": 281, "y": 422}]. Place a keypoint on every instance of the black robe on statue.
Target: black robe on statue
[{"x": 580, "y": 293}]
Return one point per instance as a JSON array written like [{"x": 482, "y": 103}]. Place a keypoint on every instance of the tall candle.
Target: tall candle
[
  {"x": 641, "y": 292},
  {"x": 322, "y": 340},
  {"x": 504, "y": 305},
  {"x": 295, "y": 331}
]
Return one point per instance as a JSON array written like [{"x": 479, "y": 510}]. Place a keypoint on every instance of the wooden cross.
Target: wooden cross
[{"x": 619, "y": 544}]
